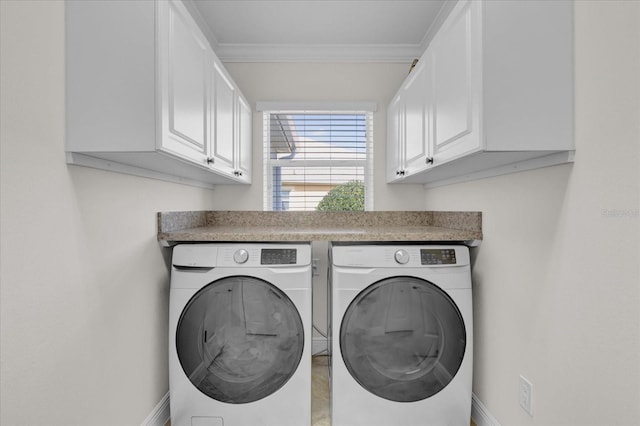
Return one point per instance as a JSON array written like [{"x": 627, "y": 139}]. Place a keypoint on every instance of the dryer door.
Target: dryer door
[
  {"x": 239, "y": 339},
  {"x": 403, "y": 339}
]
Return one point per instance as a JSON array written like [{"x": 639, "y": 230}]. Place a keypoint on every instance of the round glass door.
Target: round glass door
[
  {"x": 403, "y": 339},
  {"x": 239, "y": 339}
]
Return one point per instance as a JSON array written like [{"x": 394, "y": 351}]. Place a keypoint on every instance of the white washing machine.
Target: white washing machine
[
  {"x": 402, "y": 335},
  {"x": 240, "y": 335}
]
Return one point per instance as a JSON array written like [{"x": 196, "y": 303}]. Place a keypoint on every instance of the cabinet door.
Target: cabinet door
[
  {"x": 416, "y": 119},
  {"x": 245, "y": 137},
  {"x": 456, "y": 60},
  {"x": 395, "y": 138},
  {"x": 223, "y": 116},
  {"x": 185, "y": 83}
]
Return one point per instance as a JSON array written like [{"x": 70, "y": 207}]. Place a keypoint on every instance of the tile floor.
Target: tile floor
[{"x": 320, "y": 414}]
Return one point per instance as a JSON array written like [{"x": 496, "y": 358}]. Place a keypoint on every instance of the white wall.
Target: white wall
[
  {"x": 375, "y": 82},
  {"x": 84, "y": 283},
  {"x": 556, "y": 280}
]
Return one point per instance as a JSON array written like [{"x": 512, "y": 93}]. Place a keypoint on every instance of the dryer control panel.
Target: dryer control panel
[
  {"x": 278, "y": 256},
  {"x": 399, "y": 256},
  {"x": 437, "y": 256}
]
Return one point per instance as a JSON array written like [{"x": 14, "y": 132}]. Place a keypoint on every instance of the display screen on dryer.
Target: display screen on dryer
[
  {"x": 437, "y": 256},
  {"x": 278, "y": 257}
]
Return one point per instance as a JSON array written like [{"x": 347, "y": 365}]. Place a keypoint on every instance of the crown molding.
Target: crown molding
[
  {"x": 316, "y": 106},
  {"x": 202, "y": 23},
  {"x": 317, "y": 53},
  {"x": 442, "y": 15}
]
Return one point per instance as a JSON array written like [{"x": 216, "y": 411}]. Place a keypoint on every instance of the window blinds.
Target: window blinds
[{"x": 317, "y": 160}]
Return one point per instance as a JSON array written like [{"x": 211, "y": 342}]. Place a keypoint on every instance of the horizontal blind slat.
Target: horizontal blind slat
[{"x": 310, "y": 154}]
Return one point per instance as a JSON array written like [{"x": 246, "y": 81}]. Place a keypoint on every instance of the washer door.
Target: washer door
[
  {"x": 239, "y": 339},
  {"x": 403, "y": 339}
]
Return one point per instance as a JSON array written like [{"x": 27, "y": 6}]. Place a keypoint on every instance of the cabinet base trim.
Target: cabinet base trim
[
  {"x": 520, "y": 166},
  {"x": 112, "y": 166}
]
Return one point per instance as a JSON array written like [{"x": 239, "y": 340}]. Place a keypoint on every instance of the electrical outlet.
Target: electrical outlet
[{"x": 525, "y": 395}]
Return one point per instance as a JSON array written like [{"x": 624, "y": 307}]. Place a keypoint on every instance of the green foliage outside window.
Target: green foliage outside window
[{"x": 345, "y": 197}]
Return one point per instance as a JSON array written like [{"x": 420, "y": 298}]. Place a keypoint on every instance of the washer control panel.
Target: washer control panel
[
  {"x": 241, "y": 255},
  {"x": 278, "y": 256},
  {"x": 437, "y": 256}
]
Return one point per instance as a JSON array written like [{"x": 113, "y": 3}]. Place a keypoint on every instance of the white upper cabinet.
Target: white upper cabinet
[
  {"x": 395, "y": 138},
  {"x": 409, "y": 129},
  {"x": 146, "y": 94},
  {"x": 245, "y": 136},
  {"x": 417, "y": 152},
  {"x": 185, "y": 64},
  {"x": 231, "y": 123},
  {"x": 497, "y": 95},
  {"x": 222, "y": 121},
  {"x": 454, "y": 97}
]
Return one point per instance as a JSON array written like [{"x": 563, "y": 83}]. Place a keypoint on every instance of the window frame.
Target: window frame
[{"x": 296, "y": 108}]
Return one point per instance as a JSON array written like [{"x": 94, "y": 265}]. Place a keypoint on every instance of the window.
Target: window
[{"x": 318, "y": 159}]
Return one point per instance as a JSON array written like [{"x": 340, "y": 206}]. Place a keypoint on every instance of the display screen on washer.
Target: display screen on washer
[
  {"x": 438, "y": 256},
  {"x": 239, "y": 339},
  {"x": 403, "y": 339},
  {"x": 278, "y": 257}
]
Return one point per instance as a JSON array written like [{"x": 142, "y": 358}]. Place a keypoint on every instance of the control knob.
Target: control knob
[
  {"x": 401, "y": 256},
  {"x": 241, "y": 256}
]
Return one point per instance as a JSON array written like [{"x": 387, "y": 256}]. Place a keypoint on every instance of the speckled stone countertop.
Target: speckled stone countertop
[{"x": 400, "y": 226}]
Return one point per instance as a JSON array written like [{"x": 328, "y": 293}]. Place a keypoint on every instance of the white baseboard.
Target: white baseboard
[
  {"x": 480, "y": 415},
  {"x": 319, "y": 346},
  {"x": 159, "y": 416}
]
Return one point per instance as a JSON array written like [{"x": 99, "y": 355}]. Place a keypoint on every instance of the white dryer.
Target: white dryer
[
  {"x": 402, "y": 335},
  {"x": 240, "y": 335}
]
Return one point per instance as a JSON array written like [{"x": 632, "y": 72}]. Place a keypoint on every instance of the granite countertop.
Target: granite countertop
[{"x": 400, "y": 226}]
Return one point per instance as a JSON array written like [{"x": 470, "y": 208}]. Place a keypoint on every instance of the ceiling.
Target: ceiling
[{"x": 319, "y": 30}]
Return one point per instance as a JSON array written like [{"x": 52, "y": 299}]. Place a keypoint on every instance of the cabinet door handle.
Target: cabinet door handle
[
  {"x": 429, "y": 160},
  {"x": 211, "y": 160}
]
